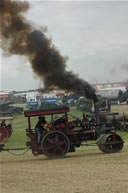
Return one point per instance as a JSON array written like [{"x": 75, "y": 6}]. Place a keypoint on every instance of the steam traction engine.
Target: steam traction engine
[{"x": 62, "y": 136}]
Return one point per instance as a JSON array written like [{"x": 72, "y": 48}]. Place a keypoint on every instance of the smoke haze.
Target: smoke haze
[{"x": 19, "y": 37}]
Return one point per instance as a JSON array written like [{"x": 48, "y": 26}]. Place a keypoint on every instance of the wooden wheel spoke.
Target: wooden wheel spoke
[
  {"x": 55, "y": 151},
  {"x": 50, "y": 141},
  {"x": 56, "y": 139},
  {"x": 62, "y": 142},
  {"x": 49, "y": 148}
]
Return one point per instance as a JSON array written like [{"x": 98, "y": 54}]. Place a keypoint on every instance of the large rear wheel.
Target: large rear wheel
[{"x": 55, "y": 144}]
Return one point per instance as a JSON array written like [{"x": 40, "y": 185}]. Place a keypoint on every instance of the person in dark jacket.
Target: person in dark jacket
[
  {"x": 3, "y": 123},
  {"x": 39, "y": 128}
]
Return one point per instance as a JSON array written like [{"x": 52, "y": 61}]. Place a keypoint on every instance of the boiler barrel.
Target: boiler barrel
[{"x": 120, "y": 117}]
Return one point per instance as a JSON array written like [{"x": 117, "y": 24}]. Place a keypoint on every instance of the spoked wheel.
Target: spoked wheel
[
  {"x": 55, "y": 144},
  {"x": 3, "y": 134},
  {"x": 112, "y": 144}
]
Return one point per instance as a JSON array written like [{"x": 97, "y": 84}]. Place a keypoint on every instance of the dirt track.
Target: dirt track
[{"x": 86, "y": 171}]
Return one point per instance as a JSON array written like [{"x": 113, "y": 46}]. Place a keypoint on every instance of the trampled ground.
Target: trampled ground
[{"x": 86, "y": 171}]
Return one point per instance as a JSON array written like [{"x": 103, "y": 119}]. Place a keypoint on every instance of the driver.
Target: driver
[{"x": 39, "y": 128}]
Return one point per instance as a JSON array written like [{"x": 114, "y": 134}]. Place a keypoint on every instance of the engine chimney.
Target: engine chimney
[{"x": 97, "y": 111}]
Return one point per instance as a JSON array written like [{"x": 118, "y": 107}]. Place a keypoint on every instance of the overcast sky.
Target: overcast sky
[{"x": 93, "y": 34}]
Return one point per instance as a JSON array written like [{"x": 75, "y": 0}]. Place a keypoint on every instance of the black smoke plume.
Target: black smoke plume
[{"x": 19, "y": 37}]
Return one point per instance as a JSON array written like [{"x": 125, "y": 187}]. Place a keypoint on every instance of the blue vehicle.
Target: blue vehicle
[
  {"x": 16, "y": 109},
  {"x": 32, "y": 103},
  {"x": 50, "y": 100},
  {"x": 7, "y": 108}
]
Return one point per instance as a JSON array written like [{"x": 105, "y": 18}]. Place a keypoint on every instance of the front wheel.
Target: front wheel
[
  {"x": 111, "y": 144},
  {"x": 55, "y": 144}
]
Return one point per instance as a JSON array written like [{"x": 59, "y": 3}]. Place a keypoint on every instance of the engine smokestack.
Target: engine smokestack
[
  {"x": 19, "y": 37},
  {"x": 97, "y": 111}
]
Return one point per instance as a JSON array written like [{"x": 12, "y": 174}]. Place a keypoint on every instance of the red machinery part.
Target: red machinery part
[{"x": 3, "y": 135}]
